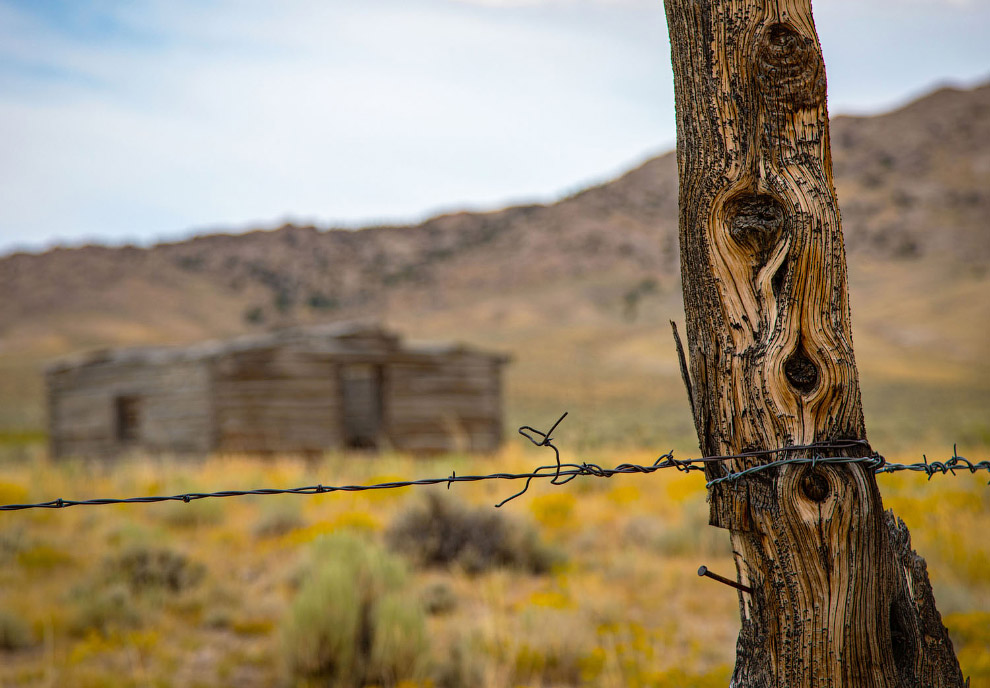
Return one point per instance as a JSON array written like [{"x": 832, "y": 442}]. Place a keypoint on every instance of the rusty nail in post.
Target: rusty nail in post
[{"x": 703, "y": 571}]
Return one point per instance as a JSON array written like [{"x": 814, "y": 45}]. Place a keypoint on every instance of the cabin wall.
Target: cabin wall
[
  {"x": 169, "y": 408},
  {"x": 366, "y": 393},
  {"x": 276, "y": 400},
  {"x": 444, "y": 403}
]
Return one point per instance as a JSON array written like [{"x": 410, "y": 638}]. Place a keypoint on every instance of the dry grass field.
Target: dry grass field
[
  {"x": 601, "y": 590},
  {"x": 589, "y": 584}
]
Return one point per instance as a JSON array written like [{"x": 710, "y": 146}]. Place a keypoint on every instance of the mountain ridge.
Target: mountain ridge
[
  {"x": 545, "y": 280},
  {"x": 894, "y": 192}
]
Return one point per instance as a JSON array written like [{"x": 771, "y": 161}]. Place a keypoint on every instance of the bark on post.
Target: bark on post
[{"x": 839, "y": 598}]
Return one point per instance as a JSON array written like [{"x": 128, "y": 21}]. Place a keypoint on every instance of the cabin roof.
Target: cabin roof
[{"x": 347, "y": 337}]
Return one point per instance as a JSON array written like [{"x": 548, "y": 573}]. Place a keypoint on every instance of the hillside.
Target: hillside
[{"x": 579, "y": 290}]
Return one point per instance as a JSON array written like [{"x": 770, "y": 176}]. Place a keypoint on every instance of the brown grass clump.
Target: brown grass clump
[
  {"x": 439, "y": 531},
  {"x": 15, "y": 633},
  {"x": 143, "y": 568}
]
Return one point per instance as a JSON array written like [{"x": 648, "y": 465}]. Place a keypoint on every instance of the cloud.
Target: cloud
[
  {"x": 251, "y": 112},
  {"x": 138, "y": 120}
]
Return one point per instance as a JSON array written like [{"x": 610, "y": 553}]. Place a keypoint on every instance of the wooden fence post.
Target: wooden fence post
[{"x": 838, "y": 597}]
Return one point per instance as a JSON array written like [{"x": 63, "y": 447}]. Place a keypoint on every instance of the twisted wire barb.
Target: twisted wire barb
[
  {"x": 561, "y": 473},
  {"x": 875, "y": 462},
  {"x": 565, "y": 472}
]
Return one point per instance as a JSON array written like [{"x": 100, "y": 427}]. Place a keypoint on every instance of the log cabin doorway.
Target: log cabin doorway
[
  {"x": 127, "y": 419},
  {"x": 363, "y": 404}
]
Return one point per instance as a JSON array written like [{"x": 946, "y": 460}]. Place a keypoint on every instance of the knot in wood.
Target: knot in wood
[
  {"x": 790, "y": 68},
  {"x": 801, "y": 372},
  {"x": 755, "y": 220},
  {"x": 814, "y": 485}
]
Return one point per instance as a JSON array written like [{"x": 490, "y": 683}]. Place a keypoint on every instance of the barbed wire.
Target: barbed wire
[
  {"x": 875, "y": 461},
  {"x": 561, "y": 473}
]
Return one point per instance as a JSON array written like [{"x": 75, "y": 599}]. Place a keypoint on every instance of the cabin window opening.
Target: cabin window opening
[{"x": 127, "y": 410}]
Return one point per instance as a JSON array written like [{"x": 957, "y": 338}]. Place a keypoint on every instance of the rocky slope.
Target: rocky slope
[
  {"x": 912, "y": 184},
  {"x": 914, "y": 189}
]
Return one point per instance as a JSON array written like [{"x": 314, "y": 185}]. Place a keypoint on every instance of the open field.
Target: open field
[{"x": 215, "y": 592}]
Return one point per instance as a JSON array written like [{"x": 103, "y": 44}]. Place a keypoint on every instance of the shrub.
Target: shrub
[
  {"x": 106, "y": 609},
  {"x": 441, "y": 532},
  {"x": 13, "y": 541},
  {"x": 15, "y": 634},
  {"x": 439, "y": 598},
  {"x": 463, "y": 663},
  {"x": 283, "y": 300},
  {"x": 279, "y": 517},
  {"x": 254, "y": 315},
  {"x": 320, "y": 301},
  {"x": 144, "y": 568},
  {"x": 353, "y": 621}
]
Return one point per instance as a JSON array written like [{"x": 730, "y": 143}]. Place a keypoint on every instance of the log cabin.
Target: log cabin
[{"x": 296, "y": 390}]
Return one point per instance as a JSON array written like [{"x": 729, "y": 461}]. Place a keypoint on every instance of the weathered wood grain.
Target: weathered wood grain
[
  {"x": 771, "y": 358},
  {"x": 175, "y": 418}
]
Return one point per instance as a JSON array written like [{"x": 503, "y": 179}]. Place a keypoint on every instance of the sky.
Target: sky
[{"x": 129, "y": 121}]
